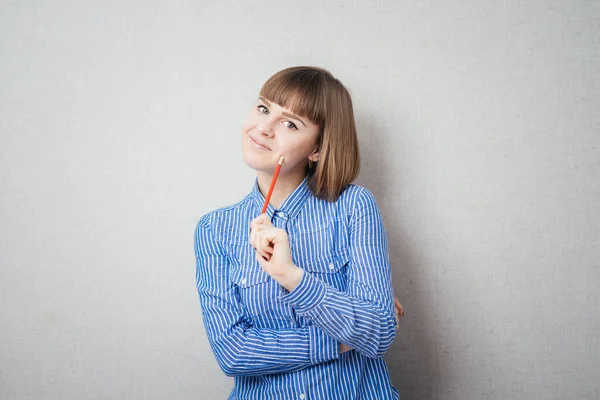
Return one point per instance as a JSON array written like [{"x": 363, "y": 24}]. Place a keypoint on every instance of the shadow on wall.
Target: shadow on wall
[{"x": 414, "y": 359}]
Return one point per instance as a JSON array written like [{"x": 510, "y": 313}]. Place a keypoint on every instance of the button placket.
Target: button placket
[{"x": 281, "y": 220}]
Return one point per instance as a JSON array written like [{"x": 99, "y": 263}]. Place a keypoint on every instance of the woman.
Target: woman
[{"x": 298, "y": 302}]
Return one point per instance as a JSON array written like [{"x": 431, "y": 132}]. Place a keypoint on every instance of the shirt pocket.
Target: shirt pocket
[
  {"x": 255, "y": 288},
  {"x": 330, "y": 268}
]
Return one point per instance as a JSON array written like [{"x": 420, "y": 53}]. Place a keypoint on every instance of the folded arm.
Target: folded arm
[
  {"x": 239, "y": 347},
  {"x": 362, "y": 316}
]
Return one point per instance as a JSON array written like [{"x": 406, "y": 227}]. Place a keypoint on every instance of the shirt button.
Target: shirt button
[
  {"x": 244, "y": 281},
  {"x": 331, "y": 266},
  {"x": 302, "y": 396},
  {"x": 293, "y": 323}
]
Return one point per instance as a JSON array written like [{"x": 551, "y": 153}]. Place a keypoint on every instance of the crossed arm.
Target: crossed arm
[{"x": 361, "y": 318}]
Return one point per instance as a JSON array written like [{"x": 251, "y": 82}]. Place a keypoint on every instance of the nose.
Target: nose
[{"x": 265, "y": 127}]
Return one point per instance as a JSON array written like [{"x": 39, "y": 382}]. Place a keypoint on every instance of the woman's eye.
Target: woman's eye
[
  {"x": 290, "y": 125},
  {"x": 262, "y": 109}
]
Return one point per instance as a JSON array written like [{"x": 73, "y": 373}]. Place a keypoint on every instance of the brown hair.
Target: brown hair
[{"x": 316, "y": 94}]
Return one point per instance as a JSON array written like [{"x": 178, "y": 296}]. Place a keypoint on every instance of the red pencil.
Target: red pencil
[{"x": 279, "y": 164}]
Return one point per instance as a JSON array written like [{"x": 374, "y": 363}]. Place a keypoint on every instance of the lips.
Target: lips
[{"x": 256, "y": 142}]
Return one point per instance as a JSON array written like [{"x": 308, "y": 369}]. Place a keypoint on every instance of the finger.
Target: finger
[
  {"x": 398, "y": 307},
  {"x": 269, "y": 237},
  {"x": 258, "y": 245},
  {"x": 252, "y": 230},
  {"x": 265, "y": 220},
  {"x": 265, "y": 248},
  {"x": 255, "y": 224},
  {"x": 252, "y": 234},
  {"x": 397, "y": 322},
  {"x": 261, "y": 260},
  {"x": 275, "y": 235},
  {"x": 258, "y": 223},
  {"x": 266, "y": 245},
  {"x": 262, "y": 219},
  {"x": 401, "y": 310},
  {"x": 260, "y": 252},
  {"x": 256, "y": 242}
]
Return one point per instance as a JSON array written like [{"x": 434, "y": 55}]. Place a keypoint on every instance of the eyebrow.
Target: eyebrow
[{"x": 287, "y": 114}]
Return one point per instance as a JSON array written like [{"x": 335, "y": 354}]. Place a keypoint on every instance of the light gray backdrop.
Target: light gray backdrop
[{"x": 480, "y": 136}]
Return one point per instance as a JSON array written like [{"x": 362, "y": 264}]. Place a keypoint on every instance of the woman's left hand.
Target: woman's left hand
[
  {"x": 273, "y": 252},
  {"x": 398, "y": 311}
]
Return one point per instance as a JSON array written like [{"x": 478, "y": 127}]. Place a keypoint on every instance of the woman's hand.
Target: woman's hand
[
  {"x": 273, "y": 252},
  {"x": 344, "y": 348},
  {"x": 399, "y": 311}
]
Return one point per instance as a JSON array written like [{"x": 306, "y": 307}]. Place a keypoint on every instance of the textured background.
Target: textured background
[{"x": 480, "y": 135}]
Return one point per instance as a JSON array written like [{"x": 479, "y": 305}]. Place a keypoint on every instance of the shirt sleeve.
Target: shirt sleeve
[
  {"x": 362, "y": 316},
  {"x": 240, "y": 348}
]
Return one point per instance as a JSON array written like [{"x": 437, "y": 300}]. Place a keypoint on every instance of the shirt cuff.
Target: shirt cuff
[
  {"x": 322, "y": 346},
  {"x": 309, "y": 293}
]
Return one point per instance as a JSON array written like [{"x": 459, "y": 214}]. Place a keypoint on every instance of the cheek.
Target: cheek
[
  {"x": 294, "y": 150},
  {"x": 248, "y": 124},
  {"x": 246, "y": 127}
]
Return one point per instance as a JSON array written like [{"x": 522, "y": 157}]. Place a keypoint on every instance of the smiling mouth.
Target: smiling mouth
[{"x": 256, "y": 144}]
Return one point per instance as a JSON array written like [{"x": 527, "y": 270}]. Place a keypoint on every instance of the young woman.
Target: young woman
[{"x": 298, "y": 302}]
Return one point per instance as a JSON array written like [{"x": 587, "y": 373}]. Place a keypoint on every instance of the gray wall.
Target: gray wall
[{"x": 480, "y": 136}]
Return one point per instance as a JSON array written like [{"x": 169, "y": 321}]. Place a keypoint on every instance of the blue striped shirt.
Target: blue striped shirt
[{"x": 285, "y": 345}]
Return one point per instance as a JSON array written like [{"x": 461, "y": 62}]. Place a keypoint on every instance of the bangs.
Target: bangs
[{"x": 301, "y": 90}]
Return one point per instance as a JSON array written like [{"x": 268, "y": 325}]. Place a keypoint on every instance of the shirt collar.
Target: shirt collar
[{"x": 291, "y": 205}]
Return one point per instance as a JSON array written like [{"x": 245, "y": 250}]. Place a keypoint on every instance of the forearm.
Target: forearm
[
  {"x": 368, "y": 327},
  {"x": 239, "y": 347},
  {"x": 242, "y": 350}
]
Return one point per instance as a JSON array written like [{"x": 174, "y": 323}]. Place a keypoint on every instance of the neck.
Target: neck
[{"x": 285, "y": 185}]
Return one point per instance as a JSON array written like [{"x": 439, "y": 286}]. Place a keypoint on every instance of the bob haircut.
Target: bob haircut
[{"x": 316, "y": 94}]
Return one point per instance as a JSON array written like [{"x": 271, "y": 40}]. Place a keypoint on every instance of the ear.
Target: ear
[{"x": 314, "y": 156}]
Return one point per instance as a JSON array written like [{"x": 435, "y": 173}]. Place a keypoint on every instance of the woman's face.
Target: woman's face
[{"x": 271, "y": 131}]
